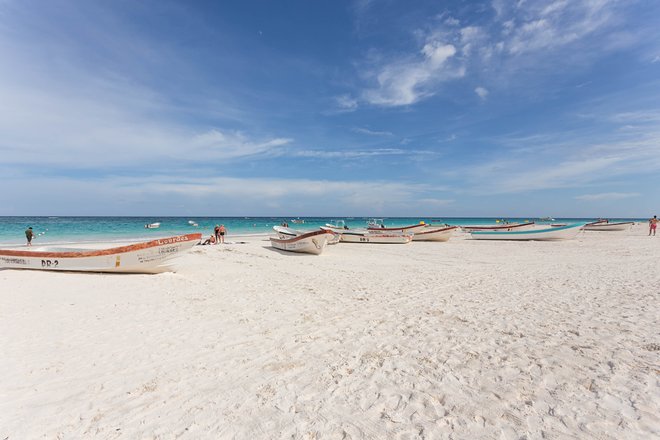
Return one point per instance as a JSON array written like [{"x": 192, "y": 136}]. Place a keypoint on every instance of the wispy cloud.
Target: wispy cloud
[
  {"x": 481, "y": 92},
  {"x": 371, "y": 132},
  {"x": 346, "y": 103},
  {"x": 606, "y": 196},
  {"x": 352, "y": 154},
  {"x": 408, "y": 79},
  {"x": 520, "y": 36},
  {"x": 163, "y": 195}
]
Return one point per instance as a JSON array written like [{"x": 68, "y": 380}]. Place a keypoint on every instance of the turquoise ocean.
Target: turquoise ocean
[{"x": 56, "y": 230}]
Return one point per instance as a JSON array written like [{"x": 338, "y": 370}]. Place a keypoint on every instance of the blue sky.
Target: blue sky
[{"x": 368, "y": 107}]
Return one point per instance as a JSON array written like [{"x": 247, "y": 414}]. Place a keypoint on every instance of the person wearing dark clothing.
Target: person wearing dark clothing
[{"x": 29, "y": 235}]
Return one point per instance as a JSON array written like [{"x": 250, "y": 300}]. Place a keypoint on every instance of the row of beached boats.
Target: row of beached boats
[
  {"x": 314, "y": 242},
  {"x": 156, "y": 255}
]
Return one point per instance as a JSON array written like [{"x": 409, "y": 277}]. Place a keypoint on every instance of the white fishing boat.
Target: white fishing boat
[
  {"x": 311, "y": 243},
  {"x": 364, "y": 236},
  {"x": 507, "y": 227},
  {"x": 338, "y": 225},
  {"x": 378, "y": 226},
  {"x": 152, "y": 225},
  {"x": 607, "y": 226},
  {"x": 286, "y": 232},
  {"x": 149, "y": 257},
  {"x": 435, "y": 234},
  {"x": 560, "y": 233},
  {"x": 298, "y": 221}
]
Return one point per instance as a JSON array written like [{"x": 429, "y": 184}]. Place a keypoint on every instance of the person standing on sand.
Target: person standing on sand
[
  {"x": 222, "y": 231},
  {"x": 653, "y": 224},
  {"x": 29, "y": 235},
  {"x": 216, "y": 232}
]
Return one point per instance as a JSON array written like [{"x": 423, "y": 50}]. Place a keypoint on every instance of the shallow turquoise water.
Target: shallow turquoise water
[{"x": 90, "y": 229}]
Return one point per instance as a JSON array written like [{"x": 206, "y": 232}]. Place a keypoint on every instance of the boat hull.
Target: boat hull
[
  {"x": 412, "y": 229},
  {"x": 504, "y": 228},
  {"x": 285, "y": 232},
  {"x": 547, "y": 234},
  {"x": 622, "y": 226},
  {"x": 310, "y": 243},
  {"x": 439, "y": 234},
  {"x": 149, "y": 257},
  {"x": 357, "y": 237}
]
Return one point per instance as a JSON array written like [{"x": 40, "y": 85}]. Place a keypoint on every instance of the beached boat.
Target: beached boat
[
  {"x": 607, "y": 226},
  {"x": 507, "y": 227},
  {"x": 311, "y": 243},
  {"x": 286, "y": 232},
  {"x": 560, "y": 233},
  {"x": 435, "y": 234},
  {"x": 148, "y": 257},
  {"x": 152, "y": 225},
  {"x": 363, "y": 236},
  {"x": 376, "y": 225}
]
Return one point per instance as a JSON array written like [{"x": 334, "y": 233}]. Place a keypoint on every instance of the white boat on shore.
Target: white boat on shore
[
  {"x": 364, "y": 236},
  {"x": 507, "y": 227},
  {"x": 376, "y": 225},
  {"x": 435, "y": 234},
  {"x": 148, "y": 257},
  {"x": 286, "y": 232},
  {"x": 545, "y": 234},
  {"x": 607, "y": 226},
  {"x": 311, "y": 243}
]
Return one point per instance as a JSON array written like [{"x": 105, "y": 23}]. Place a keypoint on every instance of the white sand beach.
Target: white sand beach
[{"x": 464, "y": 340}]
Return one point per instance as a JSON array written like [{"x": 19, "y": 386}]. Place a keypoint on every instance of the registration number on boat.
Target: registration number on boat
[{"x": 49, "y": 263}]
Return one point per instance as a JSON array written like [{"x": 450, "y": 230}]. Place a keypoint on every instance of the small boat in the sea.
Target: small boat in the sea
[
  {"x": 560, "y": 233},
  {"x": 608, "y": 226},
  {"x": 298, "y": 221},
  {"x": 435, "y": 234},
  {"x": 311, "y": 243},
  {"x": 152, "y": 225},
  {"x": 546, "y": 219},
  {"x": 148, "y": 257},
  {"x": 377, "y": 225},
  {"x": 507, "y": 227}
]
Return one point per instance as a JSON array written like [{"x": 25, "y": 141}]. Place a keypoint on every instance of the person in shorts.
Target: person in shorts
[
  {"x": 222, "y": 232},
  {"x": 653, "y": 224},
  {"x": 29, "y": 235}
]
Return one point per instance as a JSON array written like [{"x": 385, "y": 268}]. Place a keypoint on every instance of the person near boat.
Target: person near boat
[
  {"x": 216, "y": 232},
  {"x": 210, "y": 240},
  {"x": 222, "y": 231},
  {"x": 29, "y": 234},
  {"x": 653, "y": 224}
]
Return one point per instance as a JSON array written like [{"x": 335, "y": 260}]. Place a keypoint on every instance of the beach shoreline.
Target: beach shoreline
[{"x": 466, "y": 339}]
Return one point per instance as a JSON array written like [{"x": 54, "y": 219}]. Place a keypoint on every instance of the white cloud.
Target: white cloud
[
  {"x": 346, "y": 103},
  {"x": 482, "y": 92},
  {"x": 173, "y": 195},
  {"x": 606, "y": 196},
  {"x": 371, "y": 132},
  {"x": 406, "y": 81},
  {"x": 351, "y": 154}
]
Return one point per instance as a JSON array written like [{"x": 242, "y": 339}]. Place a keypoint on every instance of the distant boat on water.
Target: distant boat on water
[{"x": 152, "y": 225}]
